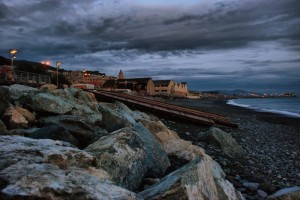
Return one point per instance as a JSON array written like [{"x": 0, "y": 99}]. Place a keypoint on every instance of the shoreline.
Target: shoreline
[
  {"x": 281, "y": 112},
  {"x": 271, "y": 142}
]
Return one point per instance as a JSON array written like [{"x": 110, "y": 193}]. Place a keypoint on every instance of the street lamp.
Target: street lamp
[
  {"x": 58, "y": 64},
  {"x": 12, "y": 53}
]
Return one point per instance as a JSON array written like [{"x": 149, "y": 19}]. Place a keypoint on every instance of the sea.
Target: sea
[{"x": 285, "y": 105}]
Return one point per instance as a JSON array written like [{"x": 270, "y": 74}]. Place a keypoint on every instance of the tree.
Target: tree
[{"x": 61, "y": 80}]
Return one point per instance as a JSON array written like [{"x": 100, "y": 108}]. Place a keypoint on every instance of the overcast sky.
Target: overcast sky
[{"x": 211, "y": 44}]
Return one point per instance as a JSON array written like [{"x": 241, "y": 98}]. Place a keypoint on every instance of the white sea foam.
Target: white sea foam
[
  {"x": 283, "y": 112},
  {"x": 232, "y": 102}
]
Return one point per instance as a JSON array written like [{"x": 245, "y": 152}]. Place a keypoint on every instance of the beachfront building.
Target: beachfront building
[
  {"x": 180, "y": 89},
  {"x": 142, "y": 86},
  {"x": 163, "y": 87},
  {"x": 170, "y": 88}
]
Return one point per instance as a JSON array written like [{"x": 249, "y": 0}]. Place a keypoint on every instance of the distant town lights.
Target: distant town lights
[{"x": 45, "y": 62}]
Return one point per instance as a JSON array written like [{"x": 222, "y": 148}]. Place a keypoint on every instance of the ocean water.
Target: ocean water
[{"x": 286, "y": 106}]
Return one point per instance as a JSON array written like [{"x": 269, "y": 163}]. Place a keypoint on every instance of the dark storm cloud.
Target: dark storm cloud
[
  {"x": 221, "y": 42},
  {"x": 222, "y": 25}
]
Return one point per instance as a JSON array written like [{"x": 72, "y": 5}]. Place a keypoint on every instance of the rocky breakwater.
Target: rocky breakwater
[{"x": 63, "y": 144}]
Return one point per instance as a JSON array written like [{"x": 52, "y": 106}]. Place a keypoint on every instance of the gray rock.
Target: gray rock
[
  {"x": 54, "y": 132},
  {"x": 222, "y": 140},
  {"x": 251, "y": 186},
  {"x": 86, "y": 97},
  {"x": 21, "y": 132},
  {"x": 78, "y": 127},
  {"x": 47, "y": 169},
  {"x": 157, "y": 160},
  {"x": 109, "y": 115},
  {"x": 121, "y": 154},
  {"x": 129, "y": 155},
  {"x": 17, "y": 91},
  {"x": 292, "y": 193},
  {"x": 192, "y": 181},
  {"x": 45, "y": 102}
]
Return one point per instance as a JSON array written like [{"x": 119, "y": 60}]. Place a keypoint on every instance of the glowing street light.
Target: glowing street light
[{"x": 12, "y": 53}]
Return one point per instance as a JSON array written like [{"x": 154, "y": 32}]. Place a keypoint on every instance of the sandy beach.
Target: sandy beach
[{"x": 271, "y": 142}]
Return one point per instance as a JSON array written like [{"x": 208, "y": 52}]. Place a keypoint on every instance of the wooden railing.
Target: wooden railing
[{"x": 27, "y": 78}]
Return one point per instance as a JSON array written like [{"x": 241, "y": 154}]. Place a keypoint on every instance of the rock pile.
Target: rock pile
[{"x": 63, "y": 144}]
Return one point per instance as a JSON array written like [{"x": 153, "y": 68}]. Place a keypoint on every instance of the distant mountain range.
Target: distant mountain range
[{"x": 236, "y": 92}]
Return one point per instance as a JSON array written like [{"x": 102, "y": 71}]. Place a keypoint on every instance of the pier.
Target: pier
[{"x": 156, "y": 106}]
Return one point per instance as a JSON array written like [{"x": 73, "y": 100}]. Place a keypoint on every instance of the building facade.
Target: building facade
[
  {"x": 180, "y": 89},
  {"x": 142, "y": 86},
  {"x": 163, "y": 87},
  {"x": 170, "y": 88}
]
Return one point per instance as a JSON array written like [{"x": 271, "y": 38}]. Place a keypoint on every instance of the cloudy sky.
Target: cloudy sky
[{"x": 211, "y": 44}]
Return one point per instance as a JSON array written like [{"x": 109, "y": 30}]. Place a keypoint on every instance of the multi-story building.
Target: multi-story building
[
  {"x": 180, "y": 89},
  {"x": 143, "y": 86},
  {"x": 170, "y": 88},
  {"x": 163, "y": 87}
]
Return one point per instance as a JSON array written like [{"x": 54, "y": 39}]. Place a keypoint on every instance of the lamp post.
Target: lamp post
[
  {"x": 58, "y": 64},
  {"x": 12, "y": 53}
]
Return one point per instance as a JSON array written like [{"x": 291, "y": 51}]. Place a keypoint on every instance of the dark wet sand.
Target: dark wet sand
[{"x": 271, "y": 142}]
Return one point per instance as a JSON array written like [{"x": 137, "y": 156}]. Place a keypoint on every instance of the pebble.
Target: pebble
[
  {"x": 262, "y": 194},
  {"x": 251, "y": 186},
  {"x": 271, "y": 144}
]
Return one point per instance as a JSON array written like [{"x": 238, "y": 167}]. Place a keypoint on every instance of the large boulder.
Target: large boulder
[
  {"x": 81, "y": 102},
  {"x": 47, "y": 169},
  {"x": 112, "y": 119},
  {"x": 222, "y": 140},
  {"x": 22, "y": 95},
  {"x": 78, "y": 127},
  {"x": 29, "y": 116},
  {"x": 20, "y": 132},
  {"x": 17, "y": 91},
  {"x": 13, "y": 119},
  {"x": 156, "y": 158},
  {"x": 85, "y": 96},
  {"x": 122, "y": 155},
  {"x": 54, "y": 132},
  {"x": 161, "y": 132},
  {"x": 129, "y": 155},
  {"x": 181, "y": 151},
  {"x": 171, "y": 142},
  {"x": 192, "y": 181},
  {"x": 292, "y": 193},
  {"x": 48, "y": 87},
  {"x": 4, "y": 100},
  {"x": 45, "y": 102}
]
